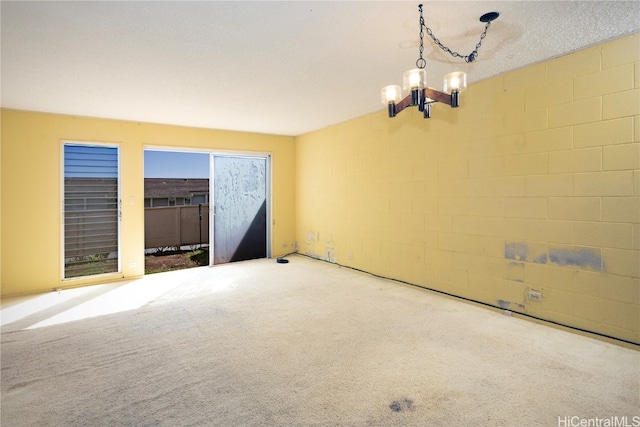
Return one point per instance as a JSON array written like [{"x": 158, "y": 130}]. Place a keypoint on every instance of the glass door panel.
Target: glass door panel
[{"x": 240, "y": 199}]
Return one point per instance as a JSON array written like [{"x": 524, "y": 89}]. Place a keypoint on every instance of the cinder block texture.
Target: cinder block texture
[{"x": 533, "y": 183}]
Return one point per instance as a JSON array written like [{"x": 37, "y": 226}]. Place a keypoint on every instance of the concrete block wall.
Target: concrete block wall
[{"x": 532, "y": 185}]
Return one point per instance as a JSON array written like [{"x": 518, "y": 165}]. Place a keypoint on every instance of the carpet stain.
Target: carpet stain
[{"x": 402, "y": 405}]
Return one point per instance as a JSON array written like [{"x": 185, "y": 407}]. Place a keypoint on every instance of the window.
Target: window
[{"x": 91, "y": 209}]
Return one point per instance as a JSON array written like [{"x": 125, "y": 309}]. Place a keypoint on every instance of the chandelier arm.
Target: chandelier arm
[
  {"x": 404, "y": 103},
  {"x": 428, "y": 93},
  {"x": 438, "y": 96}
]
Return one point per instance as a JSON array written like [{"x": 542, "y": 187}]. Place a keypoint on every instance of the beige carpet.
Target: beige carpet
[{"x": 307, "y": 343}]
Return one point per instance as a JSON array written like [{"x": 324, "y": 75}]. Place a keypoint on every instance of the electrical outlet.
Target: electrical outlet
[{"x": 534, "y": 295}]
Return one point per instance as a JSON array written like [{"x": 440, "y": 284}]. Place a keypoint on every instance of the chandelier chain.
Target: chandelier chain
[
  {"x": 421, "y": 63},
  {"x": 468, "y": 58}
]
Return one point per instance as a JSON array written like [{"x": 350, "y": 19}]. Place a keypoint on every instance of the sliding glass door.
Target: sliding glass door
[
  {"x": 241, "y": 208},
  {"x": 91, "y": 209}
]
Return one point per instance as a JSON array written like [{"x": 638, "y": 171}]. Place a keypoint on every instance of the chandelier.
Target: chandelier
[{"x": 415, "y": 80}]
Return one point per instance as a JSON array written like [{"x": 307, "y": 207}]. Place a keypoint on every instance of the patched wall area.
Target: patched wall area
[{"x": 527, "y": 197}]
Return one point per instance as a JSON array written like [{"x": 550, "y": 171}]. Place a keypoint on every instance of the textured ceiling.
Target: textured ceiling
[{"x": 271, "y": 67}]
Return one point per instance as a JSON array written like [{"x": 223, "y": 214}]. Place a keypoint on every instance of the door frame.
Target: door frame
[{"x": 229, "y": 153}]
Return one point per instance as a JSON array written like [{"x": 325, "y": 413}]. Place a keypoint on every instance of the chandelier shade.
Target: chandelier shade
[
  {"x": 414, "y": 79},
  {"x": 456, "y": 81},
  {"x": 391, "y": 93}
]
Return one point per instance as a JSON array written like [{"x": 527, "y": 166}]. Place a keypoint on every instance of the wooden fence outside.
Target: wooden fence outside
[{"x": 176, "y": 226}]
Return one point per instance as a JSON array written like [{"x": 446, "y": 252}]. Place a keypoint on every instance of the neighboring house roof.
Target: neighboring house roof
[{"x": 175, "y": 187}]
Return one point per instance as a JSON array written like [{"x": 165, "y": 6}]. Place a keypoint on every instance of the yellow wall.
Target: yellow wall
[
  {"x": 533, "y": 184},
  {"x": 31, "y": 189}
]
